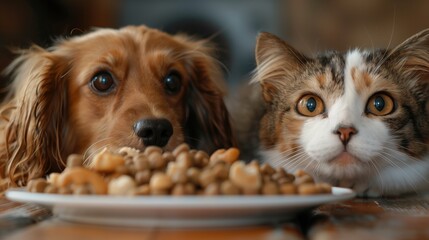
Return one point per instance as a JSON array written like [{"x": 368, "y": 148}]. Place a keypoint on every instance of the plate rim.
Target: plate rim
[{"x": 188, "y": 202}]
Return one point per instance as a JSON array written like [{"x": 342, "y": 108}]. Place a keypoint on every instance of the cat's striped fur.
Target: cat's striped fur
[{"x": 372, "y": 132}]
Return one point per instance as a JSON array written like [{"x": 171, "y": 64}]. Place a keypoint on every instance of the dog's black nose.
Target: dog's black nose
[{"x": 154, "y": 131}]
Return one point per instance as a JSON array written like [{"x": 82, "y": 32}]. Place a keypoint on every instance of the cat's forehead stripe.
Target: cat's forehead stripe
[{"x": 355, "y": 71}]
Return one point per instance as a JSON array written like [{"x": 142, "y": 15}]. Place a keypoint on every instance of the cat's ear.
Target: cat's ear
[
  {"x": 412, "y": 58},
  {"x": 276, "y": 63}
]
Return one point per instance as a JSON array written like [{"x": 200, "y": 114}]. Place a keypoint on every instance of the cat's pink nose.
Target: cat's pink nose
[{"x": 345, "y": 133}]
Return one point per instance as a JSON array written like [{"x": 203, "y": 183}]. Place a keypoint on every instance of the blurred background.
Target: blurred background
[{"x": 308, "y": 25}]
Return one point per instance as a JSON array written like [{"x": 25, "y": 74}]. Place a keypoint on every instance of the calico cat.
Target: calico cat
[{"x": 358, "y": 119}]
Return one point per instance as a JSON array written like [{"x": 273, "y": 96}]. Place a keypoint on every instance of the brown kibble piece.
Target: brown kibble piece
[
  {"x": 82, "y": 190},
  {"x": 106, "y": 161},
  {"x": 227, "y": 188},
  {"x": 51, "y": 189},
  {"x": 206, "y": 177},
  {"x": 142, "y": 177},
  {"x": 300, "y": 173},
  {"x": 156, "y": 161},
  {"x": 179, "y": 190},
  {"x": 324, "y": 187},
  {"x": 142, "y": 190},
  {"x": 193, "y": 175},
  {"x": 128, "y": 151},
  {"x": 226, "y": 155},
  {"x": 160, "y": 182},
  {"x": 308, "y": 189},
  {"x": 168, "y": 157},
  {"x": 284, "y": 180},
  {"x": 156, "y": 192},
  {"x": 183, "y": 171},
  {"x": 141, "y": 162},
  {"x": 212, "y": 189},
  {"x": 201, "y": 159},
  {"x": 184, "y": 160},
  {"x": 80, "y": 176},
  {"x": 246, "y": 177},
  {"x": 123, "y": 185},
  {"x": 220, "y": 170},
  {"x": 37, "y": 185},
  {"x": 181, "y": 148},
  {"x": 267, "y": 169},
  {"x": 189, "y": 188},
  {"x": 288, "y": 189},
  {"x": 303, "y": 179},
  {"x": 216, "y": 155},
  {"x": 53, "y": 178},
  {"x": 65, "y": 190},
  {"x": 74, "y": 160},
  {"x": 270, "y": 188},
  {"x": 151, "y": 149}
]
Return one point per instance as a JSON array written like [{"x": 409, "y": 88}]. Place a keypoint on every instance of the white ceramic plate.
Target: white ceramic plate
[{"x": 169, "y": 211}]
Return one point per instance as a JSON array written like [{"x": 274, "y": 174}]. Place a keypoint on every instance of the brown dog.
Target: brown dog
[{"x": 134, "y": 87}]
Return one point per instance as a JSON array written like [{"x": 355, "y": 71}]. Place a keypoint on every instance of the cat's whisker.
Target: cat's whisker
[
  {"x": 404, "y": 155},
  {"x": 407, "y": 176},
  {"x": 286, "y": 161},
  {"x": 379, "y": 174},
  {"x": 404, "y": 163},
  {"x": 284, "y": 155},
  {"x": 296, "y": 161},
  {"x": 387, "y": 54}
]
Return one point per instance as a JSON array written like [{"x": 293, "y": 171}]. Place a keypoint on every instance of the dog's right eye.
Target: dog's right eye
[{"x": 102, "y": 83}]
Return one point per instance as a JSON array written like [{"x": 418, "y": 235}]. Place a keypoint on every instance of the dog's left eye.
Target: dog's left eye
[
  {"x": 172, "y": 82},
  {"x": 102, "y": 83}
]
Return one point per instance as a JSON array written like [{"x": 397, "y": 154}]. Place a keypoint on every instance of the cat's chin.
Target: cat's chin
[{"x": 345, "y": 159}]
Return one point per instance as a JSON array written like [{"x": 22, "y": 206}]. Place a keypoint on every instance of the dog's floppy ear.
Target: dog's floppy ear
[
  {"x": 208, "y": 123},
  {"x": 32, "y": 115}
]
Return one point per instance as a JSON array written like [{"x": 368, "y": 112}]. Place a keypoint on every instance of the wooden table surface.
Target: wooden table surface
[{"x": 367, "y": 219}]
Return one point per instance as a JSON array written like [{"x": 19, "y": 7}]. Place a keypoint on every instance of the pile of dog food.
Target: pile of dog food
[{"x": 183, "y": 171}]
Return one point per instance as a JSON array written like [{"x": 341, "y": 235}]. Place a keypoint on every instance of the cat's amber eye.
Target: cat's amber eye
[
  {"x": 310, "y": 105},
  {"x": 380, "y": 104}
]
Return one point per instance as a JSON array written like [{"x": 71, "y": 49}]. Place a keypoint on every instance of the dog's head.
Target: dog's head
[{"x": 134, "y": 86}]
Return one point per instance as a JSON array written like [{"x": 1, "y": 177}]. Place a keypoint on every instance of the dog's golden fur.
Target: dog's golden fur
[{"x": 51, "y": 111}]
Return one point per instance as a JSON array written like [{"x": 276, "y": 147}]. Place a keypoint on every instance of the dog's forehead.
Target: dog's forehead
[{"x": 139, "y": 38}]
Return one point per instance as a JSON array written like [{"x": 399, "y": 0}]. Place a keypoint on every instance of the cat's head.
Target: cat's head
[{"x": 344, "y": 115}]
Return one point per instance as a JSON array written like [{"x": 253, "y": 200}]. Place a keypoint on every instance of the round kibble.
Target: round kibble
[
  {"x": 37, "y": 185},
  {"x": 74, "y": 160},
  {"x": 206, "y": 177},
  {"x": 156, "y": 161},
  {"x": 308, "y": 189},
  {"x": 151, "y": 149},
  {"x": 160, "y": 182},
  {"x": 246, "y": 177},
  {"x": 270, "y": 188},
  {"x": 123, "y": 185},
  {"x": 212, "y": 189},
  {"x": 193, "y": 175},
  {"x": 142, "y": 190},
  {"x": 288, "y": 189},
  {"x": 227, "y": 188},
  {"x": 303, "y": 179},
  {"x": 141, "y": 162},
  {"x": 51, "y": 189},
  {"x": 142, "y": 177},
  {"x": 182, "y": 171},
  {"x": 82, "y": 190},
  {"x": 179, "y": 190},
  {"x": 267, "y": 169},
  {"x": 181, "y": 148},
  {"x": 168, "y": 157},
  {"x": 184, "y": 160}
]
